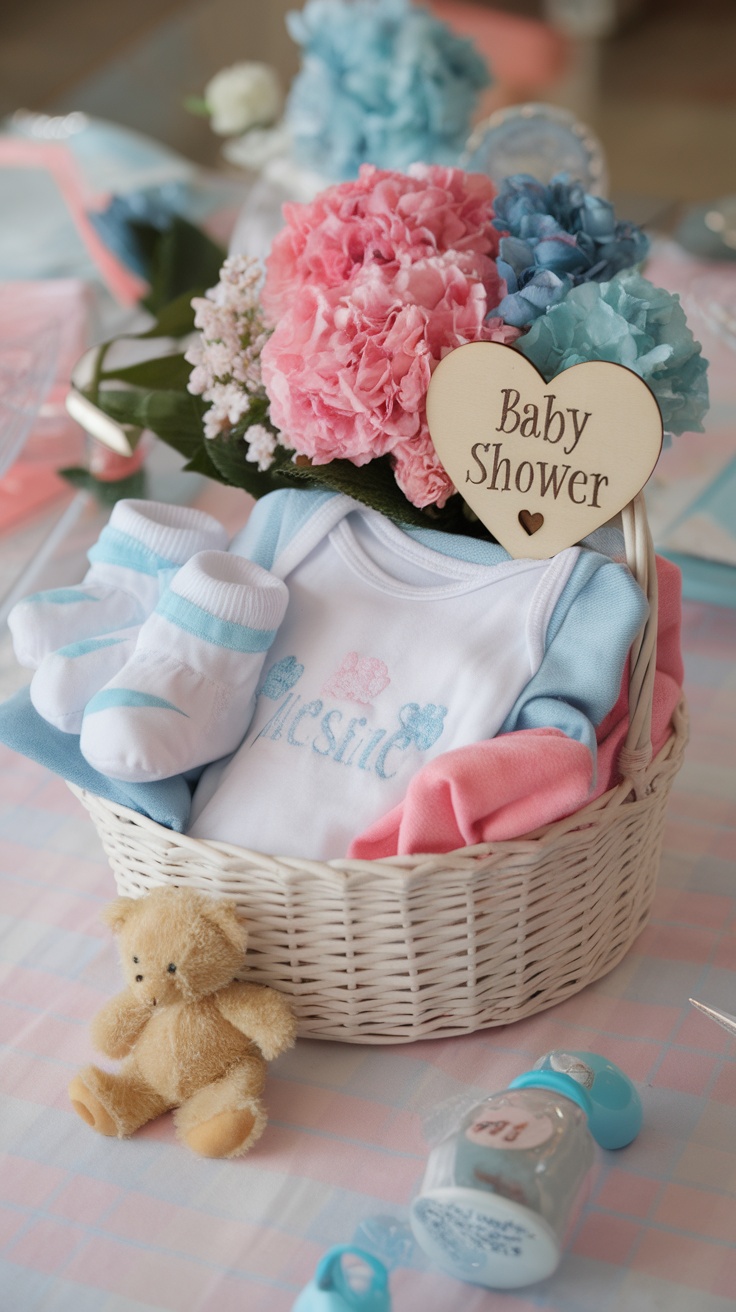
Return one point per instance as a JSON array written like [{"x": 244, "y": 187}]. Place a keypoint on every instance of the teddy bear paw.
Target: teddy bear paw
[
  {"x": 89, "y": 1107},
  {"x": 225, "y": 1135}
]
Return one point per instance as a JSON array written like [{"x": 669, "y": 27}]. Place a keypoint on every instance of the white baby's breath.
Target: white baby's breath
[
  {"x": 261, "y": 446},
  {"x": 226, "y": 356}
]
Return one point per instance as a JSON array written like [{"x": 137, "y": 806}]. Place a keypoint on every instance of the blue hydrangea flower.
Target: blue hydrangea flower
[
  {"x": 382, "y": 82},
  {"x": 627, "y": 321},
  {"x": 556, "y": 236}
]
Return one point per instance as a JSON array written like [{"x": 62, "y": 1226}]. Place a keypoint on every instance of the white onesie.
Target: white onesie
[{"x": 389, "y": 654}]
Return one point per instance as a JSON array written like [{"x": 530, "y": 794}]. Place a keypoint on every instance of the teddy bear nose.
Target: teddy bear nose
[{"x": 138, "y": 979}]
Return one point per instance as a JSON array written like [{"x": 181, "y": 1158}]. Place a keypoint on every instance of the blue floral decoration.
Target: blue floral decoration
[
  {"x": 555, "y": 237},
  {"x": 382, "y": 82},
  {"x": 281, "y": 677},
  {"x": 627, "y": 321},
  {"x": 423, "y": 724}
]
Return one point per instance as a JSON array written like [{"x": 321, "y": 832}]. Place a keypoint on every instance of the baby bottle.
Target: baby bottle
[{"x": 499, "y": 1190}]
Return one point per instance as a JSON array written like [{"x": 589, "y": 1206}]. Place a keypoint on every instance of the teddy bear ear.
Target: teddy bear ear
[
  {"x": 117, "y": 913},
  {"x": 225, "y": 915}
]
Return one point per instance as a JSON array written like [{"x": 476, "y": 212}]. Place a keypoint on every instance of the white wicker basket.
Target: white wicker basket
[{"x": 427, "y": 946}]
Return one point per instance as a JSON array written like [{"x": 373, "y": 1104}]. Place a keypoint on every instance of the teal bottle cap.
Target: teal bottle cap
[
  {"x": 557, "y": 1082},
  {"x": 614, "y": 1106}
]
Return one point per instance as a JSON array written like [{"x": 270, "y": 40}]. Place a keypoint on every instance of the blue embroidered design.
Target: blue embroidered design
[
  {"x": 281, "y": 677},
  {"x": 423, "y": 724},
  {"x": 331, "y": 732}
]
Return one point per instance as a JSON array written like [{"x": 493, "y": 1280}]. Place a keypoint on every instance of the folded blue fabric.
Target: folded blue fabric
[{"x": 21, "y": 728}]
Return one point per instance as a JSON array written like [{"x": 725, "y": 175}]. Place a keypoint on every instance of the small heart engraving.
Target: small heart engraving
[{"x": 529, "y": 522}]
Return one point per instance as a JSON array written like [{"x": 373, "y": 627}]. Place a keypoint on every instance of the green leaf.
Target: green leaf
[
  {"x": 106, "y": 493},
  {"x": 184, "y": 258},
  {"x": 166, "y": 373},
  {"x": 175, "y": 319},
  {"x": 200, "y": 463},
  {"x": 228, "y": 456},
  {"x": 175, "y": 417},
  {"x": 197, "y": 105},
  {"x": 373, "y": 485}
]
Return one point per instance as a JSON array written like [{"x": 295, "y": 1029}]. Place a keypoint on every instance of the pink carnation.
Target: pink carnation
[
  {"x": 382, "y": 216},
  {"x": 419, "y": 474},
  {"x": 347, "y": 375},
  {"x": 369, "y": 287}
]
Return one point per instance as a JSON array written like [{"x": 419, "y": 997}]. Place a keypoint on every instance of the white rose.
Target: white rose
[{"x": 243, "y": 96}]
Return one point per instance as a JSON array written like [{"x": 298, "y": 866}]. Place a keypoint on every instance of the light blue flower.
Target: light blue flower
[
  {"x": 627, "y": 321},
  {"x": 382, "y": 82},
  {"x": 555, "y": 237}
]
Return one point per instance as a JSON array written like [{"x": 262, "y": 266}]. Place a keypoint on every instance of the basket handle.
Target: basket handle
[{"x": 636, "y": 753}]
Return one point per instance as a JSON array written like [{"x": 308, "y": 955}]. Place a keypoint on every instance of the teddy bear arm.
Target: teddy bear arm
[
  {"x": 262, "y": 1014},
  {"x": 118, "y": 1025}
]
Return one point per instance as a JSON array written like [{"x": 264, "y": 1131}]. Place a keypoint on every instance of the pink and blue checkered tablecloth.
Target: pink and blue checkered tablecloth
[{"x": 96, "y": 1225}]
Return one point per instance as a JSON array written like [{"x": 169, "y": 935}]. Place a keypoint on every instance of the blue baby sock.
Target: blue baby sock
[
  {"x": 121, "y": 587},
  {"x": 186, "y": 695}
]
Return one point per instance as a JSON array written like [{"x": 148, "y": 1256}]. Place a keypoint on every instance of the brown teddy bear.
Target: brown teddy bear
[{"x": 192, "y": 1038}]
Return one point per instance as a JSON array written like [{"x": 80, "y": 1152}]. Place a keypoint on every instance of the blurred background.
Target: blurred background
[{"x": 654, "y": 78}]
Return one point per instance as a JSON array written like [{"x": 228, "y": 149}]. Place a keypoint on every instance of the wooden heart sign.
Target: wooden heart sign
[{"x": 541, "y": 464}]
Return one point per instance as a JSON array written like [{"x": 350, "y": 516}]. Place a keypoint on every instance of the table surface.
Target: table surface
[{"x": 98, "y": 1225}]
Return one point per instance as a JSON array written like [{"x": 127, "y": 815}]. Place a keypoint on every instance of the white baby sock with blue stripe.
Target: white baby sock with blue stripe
[
  {"x": 187, "y": 694},
  {"x": 122, "y": 586}
]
